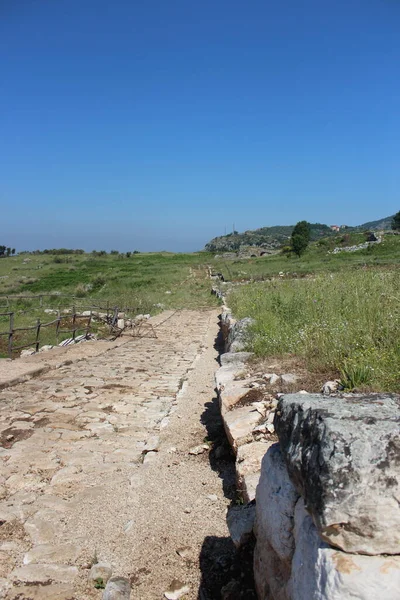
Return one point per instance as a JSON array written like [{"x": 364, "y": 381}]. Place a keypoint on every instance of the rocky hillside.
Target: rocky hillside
[
  {"x": 385, "y": 223},
  {"x": 269, "y": 238},
  {"x": 272, "y": 238}
]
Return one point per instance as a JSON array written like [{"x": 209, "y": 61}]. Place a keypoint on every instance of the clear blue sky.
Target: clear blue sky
[{"x": 153, "y": 124}]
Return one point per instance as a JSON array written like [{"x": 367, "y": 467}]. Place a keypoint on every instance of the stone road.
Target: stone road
[{"x": 72, "y": 444}]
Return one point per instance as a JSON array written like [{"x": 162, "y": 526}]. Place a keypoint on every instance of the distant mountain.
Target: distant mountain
[
  {"x": 385, "y": 223},
  {"x": 272, "y": 238}
]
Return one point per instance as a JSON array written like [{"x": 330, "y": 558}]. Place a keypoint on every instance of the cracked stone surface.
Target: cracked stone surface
[
  {"x": 342, "y": 454},
  {"x": 72, "y": 447}
]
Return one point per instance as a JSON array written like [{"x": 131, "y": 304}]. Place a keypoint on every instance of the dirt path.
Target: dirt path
[{"x": 95, "y": 466}]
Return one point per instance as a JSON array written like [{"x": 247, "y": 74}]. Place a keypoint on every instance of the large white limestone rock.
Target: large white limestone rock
[
  {"x": 343, "y": 456},
  {"x": 276, "y": 499},
  {"x": 320, "y": 572}
]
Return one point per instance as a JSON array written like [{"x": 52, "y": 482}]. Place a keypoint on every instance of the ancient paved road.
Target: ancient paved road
[{"x": 74, "y": 444}]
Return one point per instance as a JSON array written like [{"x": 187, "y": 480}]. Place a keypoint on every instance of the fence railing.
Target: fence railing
[
  {"x": 102, "y": 310},
  {"x": 74, "y": 318}
]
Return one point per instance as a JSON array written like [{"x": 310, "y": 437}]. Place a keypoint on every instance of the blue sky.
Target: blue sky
[{"x": 155, "y": 124}]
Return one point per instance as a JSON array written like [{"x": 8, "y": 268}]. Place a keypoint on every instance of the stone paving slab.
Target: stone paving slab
[
  {"x": 72, "y": 443},
  {"x": 13, "y": 372}
]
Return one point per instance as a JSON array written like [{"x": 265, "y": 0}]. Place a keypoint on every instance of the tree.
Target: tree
[
  {"x": 396, "y": 222},
  {"x": 6, "y": 251},
  {"x": 300, "y": 237}
]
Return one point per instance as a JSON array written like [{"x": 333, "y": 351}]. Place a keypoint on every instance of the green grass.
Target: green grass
[
  {"x": 144, "y": 283},
  {"x": 140, "y": 281},
  {"x": 346, "y": 322},
  {"x": 316, "y": 259}
]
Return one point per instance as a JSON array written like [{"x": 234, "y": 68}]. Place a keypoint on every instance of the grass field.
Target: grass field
[
  {"x": 145, "y": 283},
  {"x": 345, "y": 323},
  {"x": 141, "y": 281},
  {"x": 339, "y": 312},
  {"x": 316, "y": 259}
]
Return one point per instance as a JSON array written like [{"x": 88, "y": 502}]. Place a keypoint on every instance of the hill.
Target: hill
[
  {"x": 385, "y": 223},
  {"x": 272, "y": 238}
]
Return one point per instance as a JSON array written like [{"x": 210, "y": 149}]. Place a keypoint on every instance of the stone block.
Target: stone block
[
  {"x": 117, "y": 588},
  {"x": 343, "y": 456},
  {"x": 320, "y": 572},
  {"x": 276, "y": 500},
  {"x": 240, "y": 521},
  {"x": 239, "y": 424}
]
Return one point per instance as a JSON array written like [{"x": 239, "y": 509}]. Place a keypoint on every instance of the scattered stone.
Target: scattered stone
[
  {"x": 270, "y": 428},
  {"x": 274, "y": 379},
  {"x": 46, "y": 348},
  {"x": 330, "y": 387},
  {"x": 198, "y": 449},
  {"x": 260, "y": 407},
  {"x": 117, "y": 588},
  {"x": 184, "y": 552},
  {"x": 260, "y": 428},
  {"x": 100, "y": 573},
  {"x": 27, "y": 352},
  {"x": 187, "y": 510},
  {"x": 212, "y": 497},
  {"x": 240, "y": 521},
  {"x": 288, "y": 378},
  {"x": 271, "y": 417},
  {"x": 152, "y": 444},
  {"x": 149, "y": 457},
  {"x": 176, "y": 590}
]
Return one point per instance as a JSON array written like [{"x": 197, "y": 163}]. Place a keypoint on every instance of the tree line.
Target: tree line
[
  {"x": 6, "y": 251},
  {"x": 301, "y": 234}
]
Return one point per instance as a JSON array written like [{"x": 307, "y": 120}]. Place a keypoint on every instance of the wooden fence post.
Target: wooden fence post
[
  {"x": 58, "y": 325},
  {"x": 88, "y": 324},
  {"x": 37, "y": 335},
  {"x": 73, "y": 322},
  {"x": 10, "y": 335}
]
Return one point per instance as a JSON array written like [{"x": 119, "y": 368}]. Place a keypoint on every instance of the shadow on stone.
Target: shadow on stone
[
  {"x": 226, "y": 573},
  {"x": 221, "y": 457}
]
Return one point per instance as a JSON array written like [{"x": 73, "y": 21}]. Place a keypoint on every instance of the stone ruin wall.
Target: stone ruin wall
[{"x": 327, "y": 493}]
